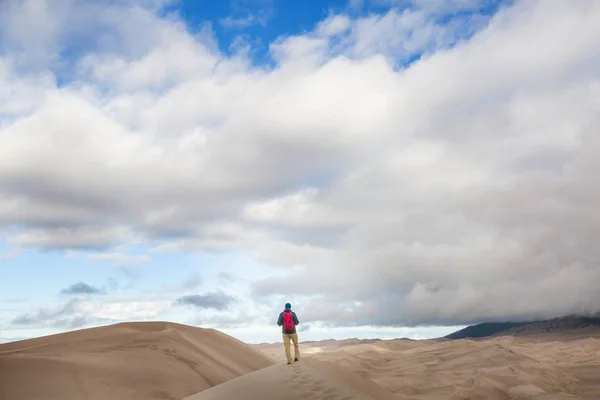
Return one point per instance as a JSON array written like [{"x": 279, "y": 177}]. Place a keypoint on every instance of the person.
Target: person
[{"x": 288, "y": 321}]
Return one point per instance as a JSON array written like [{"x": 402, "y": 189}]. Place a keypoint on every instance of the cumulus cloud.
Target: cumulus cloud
[
  {"x": 456, "y": 189},
  {"x": 81, "y": 311},
  {"x": 479, "y": 211},
  {"x": 83, "y": 238},
  {"x": 215, "y": 300},
  {"x": 64, "y": 316},
  {"x": 127, "y": 309},
  {"x": 82, "y": 288}
]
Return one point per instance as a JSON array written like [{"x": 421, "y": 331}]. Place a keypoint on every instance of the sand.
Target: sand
[
  {"x": 306, "y": 379},
  {"x": 144, "y": 360},
  {"x": 541, "y": 367},
  {"x": 157, "y": 360}
]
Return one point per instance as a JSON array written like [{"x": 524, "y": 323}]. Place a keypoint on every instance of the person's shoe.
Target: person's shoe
[
  {"x": 289, "y": 363},
  {"x": 295, "y": 359}
]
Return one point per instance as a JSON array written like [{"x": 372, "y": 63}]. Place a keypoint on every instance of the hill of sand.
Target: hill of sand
[
  {"x": 535, "y": 367},
  {"x": 142, "y": 360},
  {"x": 304, "y": 380},
  {"x": 155, "y": 360}
]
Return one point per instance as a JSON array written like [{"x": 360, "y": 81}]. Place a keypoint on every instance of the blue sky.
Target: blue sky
[
  {"x": 262, "y": 22},
  {"x": 377, "y": 163}
]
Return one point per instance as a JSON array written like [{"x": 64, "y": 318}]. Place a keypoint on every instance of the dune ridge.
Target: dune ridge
[
  {"x": 540, "y": 367},
  {"x": 138, "y": 360}
]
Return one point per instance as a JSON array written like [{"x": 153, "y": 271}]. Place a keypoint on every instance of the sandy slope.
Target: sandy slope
[
  {"x": 155, "y": 360},
  {"x": 542, "y": 367},
  {"x": 304, "y": 380},
  {"x": 144, "y": 360}
]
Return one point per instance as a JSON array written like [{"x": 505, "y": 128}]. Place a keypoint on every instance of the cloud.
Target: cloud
[
  {"x": 81, "y": 238},
  {"x": 441, "y": 6},
  {"x": 334, "y": 25},
  {"x": 64, "y": 316},
  {"x": 80, "y": 312},
  {"x": 127, "y": 309},
  {"x": 245, "y": 13},
  {"x": 467, "y": 218},
  {"x": 216, "y": 300},
  {"x": 226, "y": 277},
  {"x": 82, "y": 288},
  {"x": 244, "y": 22},
  {"x": 398, "y": 169},
  {"x": 119, "y": 258}
]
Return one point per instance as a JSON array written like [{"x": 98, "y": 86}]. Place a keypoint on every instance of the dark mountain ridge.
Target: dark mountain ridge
[{"x": 566, "y": 323}]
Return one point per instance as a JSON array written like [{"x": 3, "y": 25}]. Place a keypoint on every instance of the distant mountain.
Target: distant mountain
[
  {"x": 487, "y": 329},
  {"x": 484, "y": 329}
]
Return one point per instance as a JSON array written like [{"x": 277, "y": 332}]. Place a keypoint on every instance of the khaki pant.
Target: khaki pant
[{"x": 286, "y": 343}]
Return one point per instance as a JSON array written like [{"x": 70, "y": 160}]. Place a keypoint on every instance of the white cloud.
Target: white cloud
[
  {"x": 83, "y": 311},
  {"x": 334, "y": 25},
  {"x": 119, "y": 258},
  {"x": 251, "y": 19},
  {"x": 74, "y": 238},
  {"x": 125, "y": 310},
  {"x": 456, "y": 189},
  {"x": 439, "y": 6}
]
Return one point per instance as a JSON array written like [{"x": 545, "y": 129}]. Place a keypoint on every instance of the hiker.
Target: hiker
[{"x": 288, "y": 321}]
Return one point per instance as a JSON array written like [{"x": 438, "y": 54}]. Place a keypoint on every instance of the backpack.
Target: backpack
[{"x": 288, "y": 322}]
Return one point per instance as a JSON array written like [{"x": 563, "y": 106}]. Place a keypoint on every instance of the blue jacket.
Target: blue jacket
[{"x": 280, "y": 322}]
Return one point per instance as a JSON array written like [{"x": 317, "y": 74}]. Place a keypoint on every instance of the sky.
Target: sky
[{"x": 393, "y": 168}]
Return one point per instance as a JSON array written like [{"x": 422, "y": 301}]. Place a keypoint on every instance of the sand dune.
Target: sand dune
[
  {"x": 542, "y": 367},
  {"x": 308, "y": 379},
  {"x": 154, "y": 360},
  {"x": 144, "y": 360}
]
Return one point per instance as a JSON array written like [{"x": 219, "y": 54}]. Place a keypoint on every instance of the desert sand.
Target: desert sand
[
  {"x": 143, "y": 360},
  {"x": 536, "y": 367},
  {"x": 306, "y": 379},
  {"x": 157, "y": 360}
]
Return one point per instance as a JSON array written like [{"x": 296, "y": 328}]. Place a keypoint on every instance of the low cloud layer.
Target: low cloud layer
[
  {"x": 457, "y": 189},
  {"x": 64, "y": 316},
  {"x": 81, "y": 311}
]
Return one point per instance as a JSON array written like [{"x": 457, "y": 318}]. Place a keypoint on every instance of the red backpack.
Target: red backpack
[{"x": 288, "y": 321}]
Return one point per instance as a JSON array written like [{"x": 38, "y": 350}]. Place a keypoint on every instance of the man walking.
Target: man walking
[{"x": 288, "y": 321}]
